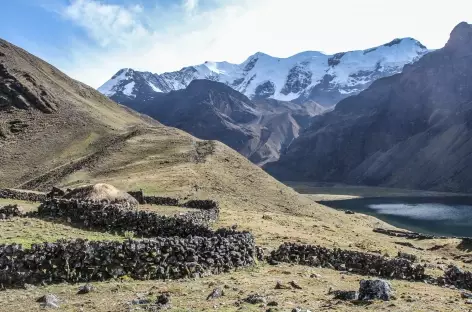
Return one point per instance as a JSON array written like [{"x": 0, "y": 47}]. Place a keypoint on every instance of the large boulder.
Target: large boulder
[{"x": 375, "y": 289}]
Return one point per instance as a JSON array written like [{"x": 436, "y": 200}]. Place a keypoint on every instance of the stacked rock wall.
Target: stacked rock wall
[
  {"x": 113, "y": 218},
  {"x": 357, "y": 262},
  {"x": 158, "y": 258},
  {"x": 21, "y": 195},
  {"x": 457, "y": 277}
]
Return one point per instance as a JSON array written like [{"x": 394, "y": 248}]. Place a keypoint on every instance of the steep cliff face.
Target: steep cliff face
[{"x": 409, "y": 130}]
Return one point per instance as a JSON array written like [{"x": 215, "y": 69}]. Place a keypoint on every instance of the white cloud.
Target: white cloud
[
  {"x": 190, "y": 5},
  {"x": 168, "y": 38},
  {"x": 107, "y": 24}
]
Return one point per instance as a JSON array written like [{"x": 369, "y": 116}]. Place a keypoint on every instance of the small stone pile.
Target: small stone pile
[
  {"x": 22, "y": 195},
  {"x": 353, "y": 261},
  {"x": 158, "y": 258},
  {"x": 457, "y": 277},
  {"x": 10, "y": 211}
]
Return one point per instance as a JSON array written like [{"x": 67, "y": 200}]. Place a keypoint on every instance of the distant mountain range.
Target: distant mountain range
[
  {"x": 307, "y": 76},
  {"x": 258, "y": 107},
  {"x": 410, "y": 130}
]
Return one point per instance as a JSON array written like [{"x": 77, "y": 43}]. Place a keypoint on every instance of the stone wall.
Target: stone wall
[
  {"x": 9, "y": 211},
  {"x": 457, "y": 277},
  {"x": 157, "y": 258},
  {"x": 356, "y": 262},
  {"x": 21, "y": 195},
  {"x": 113, "y": 218}
]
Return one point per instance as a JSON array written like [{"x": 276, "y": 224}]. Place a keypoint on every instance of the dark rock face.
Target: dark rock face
[
  {"x": 264, "y": 90},
  {"x": 375, "y": 289},
  {"x": 353, "y": 261},
  {"x": 211, "y": 110},
  {"x": 23, "y": 94},
  {"x": 410, "y": 130}
]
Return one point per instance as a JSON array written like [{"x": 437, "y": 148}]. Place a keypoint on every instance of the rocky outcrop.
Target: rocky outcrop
[
  {"x": 22, "y": 94},
  {"x": 353, "y": 261},
  {"x": 410, "y": 130}
]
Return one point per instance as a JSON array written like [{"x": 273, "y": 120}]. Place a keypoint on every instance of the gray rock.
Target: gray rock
[
  {"x": 216, "y": 293},
  {"x": 255, "y": 299},
  {"x": 295, "y": 285},
  {"x": 49, "y": 301},
  {"x": 85, "y": 289},
  {"x": 375, "y": 289}
]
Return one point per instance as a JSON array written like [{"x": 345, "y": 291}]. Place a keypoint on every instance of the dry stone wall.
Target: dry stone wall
[
  {"x": 22, "y": 195},
  {"x": 114, "y": 218},
  {"x": 356, "y": 262},
  {"x": 179, "y": 246},
  {"x": 457, "y": 277},
  {"x": 157, "y": 258}
]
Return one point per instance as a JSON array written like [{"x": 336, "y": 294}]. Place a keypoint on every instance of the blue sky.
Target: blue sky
[{"x": 92, "y": 39}]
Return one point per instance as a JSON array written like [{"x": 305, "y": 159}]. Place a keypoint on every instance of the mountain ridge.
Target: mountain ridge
[
  {"x": 408, "y": 130},
  {"x": 308, "y": 75}
]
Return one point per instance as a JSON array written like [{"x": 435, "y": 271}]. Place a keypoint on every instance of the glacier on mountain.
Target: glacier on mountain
[{"x": 305, "y": 76}]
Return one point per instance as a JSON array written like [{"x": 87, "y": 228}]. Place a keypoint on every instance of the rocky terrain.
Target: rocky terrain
[
  {"x": 210, "y": 110},
  {"x": 306, "y": 76},
  {"x": 410, "y": 130}
]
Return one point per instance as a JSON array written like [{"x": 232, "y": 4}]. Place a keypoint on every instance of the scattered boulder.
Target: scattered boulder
[
  {"x": 279, "y": 285},
  {"x": 295, "y": 285},
  {"x": 407, "y": 256},
  {"x": 272, "y": 304},
  {"x": 348, "y": 212},
  {"x": 85, "y": 289},
  {"x": 216, "y": 293},
  {"x": 375, "y": 289},
  {"x": 466, "y": 295},
  {"x": 49, "y": 301},
  {"x": 255, "y": 299},
  {"x": 163, "y": 299}
]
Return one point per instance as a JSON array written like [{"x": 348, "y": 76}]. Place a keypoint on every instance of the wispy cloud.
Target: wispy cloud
[
  {"x": 190, "y": 5},
  {"x": 105, "y": 23}
]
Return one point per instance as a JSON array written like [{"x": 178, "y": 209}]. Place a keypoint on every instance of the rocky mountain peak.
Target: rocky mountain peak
[{"x": 461, "y": 38}]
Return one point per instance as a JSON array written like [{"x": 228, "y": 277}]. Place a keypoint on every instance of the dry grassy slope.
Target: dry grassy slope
[{"x": 90, "y": 138}]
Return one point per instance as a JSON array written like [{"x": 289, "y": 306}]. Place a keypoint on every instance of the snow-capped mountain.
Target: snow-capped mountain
[{"x": 309, "y": 75}]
